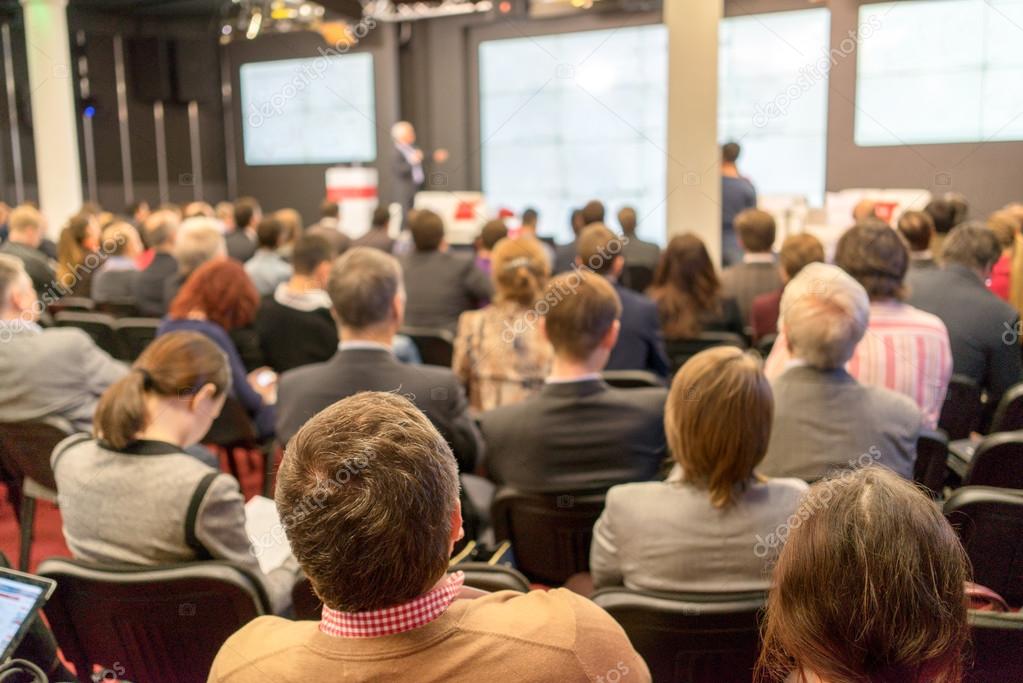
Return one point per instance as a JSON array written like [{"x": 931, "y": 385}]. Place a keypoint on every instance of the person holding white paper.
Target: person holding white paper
[{"x": 132, "y": 494}]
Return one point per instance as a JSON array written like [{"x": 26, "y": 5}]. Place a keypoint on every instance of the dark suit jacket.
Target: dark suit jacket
[
  {"x": 151, "y": 285},
  {"x": 564, "y": 257},
  {"x": 745, "y": 281},
  {"x": 640, "y": 343},
  {"x": 983, "y": 329},
  {"x": 305, "y": 391},
  {"x": 240, "y": 246},
  {"x": 405, "y": 187},
  {"x": 440, "y": 286},
  {"x": 35, "y": 265},
  {"x": 376, "y": 238},
  {"x": 577, "y": 436}
]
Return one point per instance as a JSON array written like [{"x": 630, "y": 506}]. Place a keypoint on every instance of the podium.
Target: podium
[
  {"x": 354, "y": 188},
  {"x": 464, "y": 213}
]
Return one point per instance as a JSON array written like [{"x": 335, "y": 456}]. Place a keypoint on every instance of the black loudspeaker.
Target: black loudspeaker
[
  {"x": 351, "y": 9},
  {"x": 196, "y": 70},
  {"x": 149, "y": 69}
]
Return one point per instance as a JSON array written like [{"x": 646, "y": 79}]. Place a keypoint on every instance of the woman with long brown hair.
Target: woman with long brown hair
[
  {"x": 78, "y": 254},
  {"x": 687, "y": 292},
  {"x": 131, "y": 494},
  {"x": 868, "y": 589},
  {"x": 217, "y": 298}
]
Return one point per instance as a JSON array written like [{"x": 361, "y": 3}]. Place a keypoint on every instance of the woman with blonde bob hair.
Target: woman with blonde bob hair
[
  {"x": 869, "y": 588},
  {"x": 713, "y": 525},
  {"x": 500, "y": 355}
]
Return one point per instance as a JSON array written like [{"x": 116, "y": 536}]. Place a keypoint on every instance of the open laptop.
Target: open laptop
[{"x": 21, "y": 596}]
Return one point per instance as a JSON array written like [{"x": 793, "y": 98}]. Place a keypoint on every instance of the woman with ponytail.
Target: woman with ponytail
[
  {"x": 500, "y": 355},
  {"x": 131, "y": 494}
]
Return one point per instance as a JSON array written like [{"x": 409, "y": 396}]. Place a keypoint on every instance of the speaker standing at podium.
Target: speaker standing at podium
[{"x": 409, "y": 174}]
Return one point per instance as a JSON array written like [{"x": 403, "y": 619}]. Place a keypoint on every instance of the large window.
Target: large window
[
  {"x": 773, "y": 98},
  {"x": 936, "y": 71},
  {"x": 571, "y": 117}
]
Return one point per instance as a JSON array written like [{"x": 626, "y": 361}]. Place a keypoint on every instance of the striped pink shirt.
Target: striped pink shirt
[{"x": 904, "y": 349}]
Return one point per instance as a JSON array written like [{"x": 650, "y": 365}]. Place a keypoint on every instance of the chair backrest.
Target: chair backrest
[
  {"x": 931, "y": 467},
  {"x": 765, "y": 344},
  {"x": 963, "y": 408},
  {"x": 99, "y": 326},
  {"x": 486, "y": 577},
  {"x": 119, "y": 308},
  {"x": 233, "y": 428},
  {"x": 25, "y": 448},
  {"x": 997, "y": 641},
  {"x": 989, "y": 522},
  {"x": 691, "y": 638},
  {"x": 1009, "y": 413},
  {"x": 632, "y": 379},
  {"x": 135, "y": 334},
  {"x": 998, "y": 461},
  {"x": 73, "y": 303},
  {"x": 681, "y": 350},
  {"x": 149, "y": 623},
  {"x": 637, "y": 277},
  {"x": 436, "y": 346},
  {"x": 550, "y": 534}
]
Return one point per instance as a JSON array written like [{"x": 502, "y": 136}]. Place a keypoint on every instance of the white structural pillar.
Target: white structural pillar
[
  {"x": 694, "y": 171},
  {"x": 54, "y": 119}
]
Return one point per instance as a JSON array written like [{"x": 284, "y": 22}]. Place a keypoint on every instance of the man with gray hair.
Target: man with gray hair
[
  {"x": 983, "y": 329},
  {"x": 199, "y": 240},
  {"x": 57, "y": 372},
  {"x": 824, "y": 420},
  {"x": 408, "y": 164}
]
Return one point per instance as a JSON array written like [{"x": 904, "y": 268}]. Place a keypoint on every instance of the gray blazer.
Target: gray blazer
[
  {"x": 746, "y": 281},
  {"x": 58, "y": 371},
  {"x": 666, "y": 536},
  {"x": 983, "y": 329},
  {"x": 826, "y": 421},
  {"x": 440, "y": 286}
]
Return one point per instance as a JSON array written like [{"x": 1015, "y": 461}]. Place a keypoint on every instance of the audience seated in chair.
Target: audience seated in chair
[
  {"x": 377, "y": 236},
  {"x": 26, "y": 228},
  {"x": 241, "y": 239},
  {"x": 984, "y": 330},
  {"x": 655, "y": 536},
  {"x": 58, "y": 371},
  {"x": 687, "y": 292},
  {"x": 565, "y": 254},
  {"x": 493, "y": 231},
  {"x": 500, "y": 355},
  {"x": 376, "y": 551},
  {"x": 159, "y": 232},
  {"x": 578, "y": 434},
  {"x": 918, "y": 230},
  {"x": 824, "y": 420},
  {"x": 635, "y": 251},
  {"x": 757, "y": 273},
  {"x": 291, "y": 230},
  {"x": 116, "y": 281},
  {"x": 640, "y": 344},
  {"x": 869, "y": 587},
  {"x": 904, "y": 349},
  {"x": 198, "y": 241},
  {"x": 267, "y": 269},
  {"x": 132, "y": 495},
  {"x": 216, "y": 300},
  {"x": 946, "y": 212},
  {"x": 441, "y": 285},
  {"x": 79, "y": 255},
  {"x": 294, "y": 323},
  {"x": 796, "y": 251},
  {"x": 368, "y": 300},
  {"x": 1006, "y": 227},
  {"x": 528, "y": 229}
]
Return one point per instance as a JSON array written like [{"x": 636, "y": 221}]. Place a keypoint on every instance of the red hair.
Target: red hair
[{"x": 222, "y": 291}]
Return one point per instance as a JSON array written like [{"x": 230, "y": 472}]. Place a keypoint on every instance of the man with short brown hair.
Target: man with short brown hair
[
  {"x": 368, "y": 497},
  {"x": 918, "y": 229},
  {"x": 757, "y": 273},
  {"x": 582, "y": 435},
  {"x": 797, "y": 251}
]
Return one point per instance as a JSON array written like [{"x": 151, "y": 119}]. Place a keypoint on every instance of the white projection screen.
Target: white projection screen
[
  {"x": 319, "y": 110},
  {"x": 575, "y": 116},
  {"x": 939, "y": 71}
]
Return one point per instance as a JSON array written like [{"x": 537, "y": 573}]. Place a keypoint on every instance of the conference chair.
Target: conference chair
[
  {"x": 989, "y": 522},
  {"x": 681, "y": 350},
  {"x": 162, "y": 623},
  {"x": 765, "y": 344},
  {"x": 996, "y": 641},
  {"x": 550, "y": 534},
  {"x": 135, "y": 334},
  {"x": 632, "y": 379},
  {"x": 963, "y": 408},
  {"x": 25, "y": 449},
  {"x": 436, "y": 346},
  {"x": 1009, "y": 413},
  {"x": 120, "y": 308},
  {"x": 234, "y": 432},
  {"x": 73, "y": 303},
  {"x": 931, "y": 467},
  {"x": 637, "y": 277},
  {"x": 99, "y": 326},
  {"x": 486, "y": 577},
  {"x": 692, "y": 637},
  {"x": 995, "y": 461}
]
